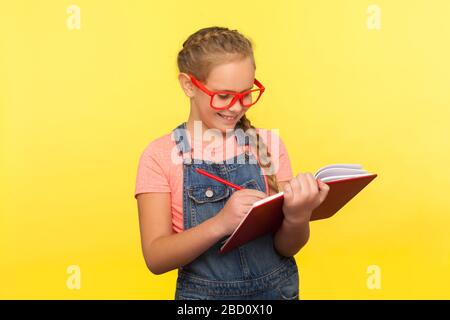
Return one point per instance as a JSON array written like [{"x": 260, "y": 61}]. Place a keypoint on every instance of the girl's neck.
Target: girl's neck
[{"x": 197, "y": 129}]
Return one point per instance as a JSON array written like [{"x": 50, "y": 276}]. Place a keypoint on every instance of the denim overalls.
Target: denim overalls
[{"x": 252, "y": 271}]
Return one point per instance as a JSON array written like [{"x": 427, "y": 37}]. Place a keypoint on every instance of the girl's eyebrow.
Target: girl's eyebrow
[{"x": 234, "y": 91}]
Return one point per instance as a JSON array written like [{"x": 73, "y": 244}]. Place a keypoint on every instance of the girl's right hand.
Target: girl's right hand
[{"x": 236, "y": 207}]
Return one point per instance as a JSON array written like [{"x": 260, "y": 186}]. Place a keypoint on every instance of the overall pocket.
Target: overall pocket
[{"x": 206, "y": 201}]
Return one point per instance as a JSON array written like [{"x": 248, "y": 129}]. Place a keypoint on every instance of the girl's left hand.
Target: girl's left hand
[{"x": 302, "y": 195}]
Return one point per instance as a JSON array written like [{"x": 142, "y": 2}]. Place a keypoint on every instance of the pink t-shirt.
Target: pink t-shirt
[{"x": 161, "y": 170}]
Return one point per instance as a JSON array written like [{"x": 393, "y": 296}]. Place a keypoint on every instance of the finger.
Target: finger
[
  {"x": 249, "y": 199},
  {"x": 313, "y": 184},
  {"x": 288, "y": 193},
  {"x": 253, "y": 192},
  {"x": 246, "y": 206},
  {"x": 304, "y": 185},
  {"x": 252, "y": 198},
  {"x": 248, "y": 203},
  {"x": 296, "y": 186},
  {"x": 323, "y": 185},
  {"x": 324, "y": 189}
]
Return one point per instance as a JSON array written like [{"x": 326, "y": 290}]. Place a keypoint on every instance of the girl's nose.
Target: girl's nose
[{"x": 236, "y": 107}]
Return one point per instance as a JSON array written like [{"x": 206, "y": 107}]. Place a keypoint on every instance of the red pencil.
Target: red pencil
[{"x": 205, "y": 173}]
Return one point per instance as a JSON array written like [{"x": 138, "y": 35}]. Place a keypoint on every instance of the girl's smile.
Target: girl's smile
[{"x": 229, "y": 118}]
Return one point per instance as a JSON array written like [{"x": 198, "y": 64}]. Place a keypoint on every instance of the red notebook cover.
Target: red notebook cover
[{"x": 268, "y": 216}]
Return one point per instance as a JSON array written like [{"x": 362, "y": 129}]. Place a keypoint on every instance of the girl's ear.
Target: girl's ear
[{"x": 186, "y": 84}]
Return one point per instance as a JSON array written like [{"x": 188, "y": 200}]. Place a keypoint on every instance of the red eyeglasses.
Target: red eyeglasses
[{"x": 221, "y": 100}]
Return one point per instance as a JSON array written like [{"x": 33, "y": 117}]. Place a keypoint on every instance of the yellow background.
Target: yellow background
[{"x": 79, "y": 106}]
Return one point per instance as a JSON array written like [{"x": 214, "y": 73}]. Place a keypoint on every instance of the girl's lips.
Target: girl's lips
[{"x": 228, "y": 118}]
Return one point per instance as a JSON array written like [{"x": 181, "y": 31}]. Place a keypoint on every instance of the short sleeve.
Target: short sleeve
[
  {"x": 281, "y": 164},
  {"x": 151, "y": 176},
  {"x": 285, "y": 169}
]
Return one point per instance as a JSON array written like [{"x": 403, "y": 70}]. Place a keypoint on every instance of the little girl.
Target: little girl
[{"x": 184, "y": 216}]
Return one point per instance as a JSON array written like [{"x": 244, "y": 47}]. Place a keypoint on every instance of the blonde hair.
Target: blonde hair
[{"x": 212, "y": 46}]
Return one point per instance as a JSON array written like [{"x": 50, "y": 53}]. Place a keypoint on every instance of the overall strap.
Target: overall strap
[{"x": 181, "y": 137}]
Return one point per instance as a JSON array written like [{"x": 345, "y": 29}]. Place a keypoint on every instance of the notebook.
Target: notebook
[{"x": 266, "y": 215}]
